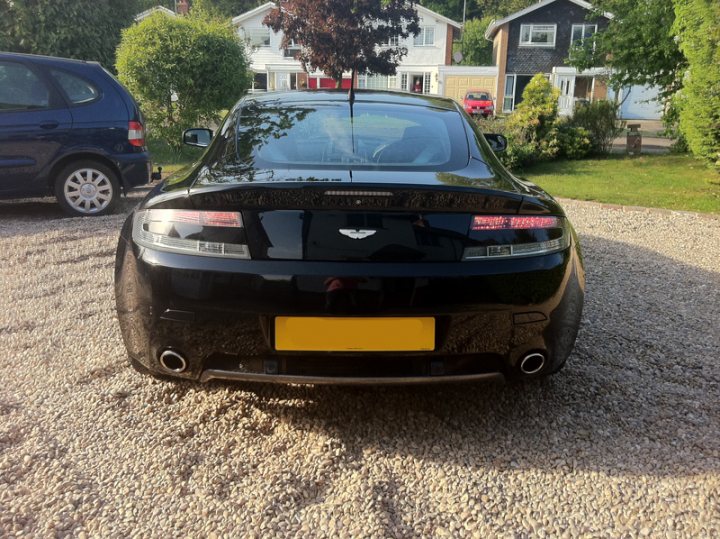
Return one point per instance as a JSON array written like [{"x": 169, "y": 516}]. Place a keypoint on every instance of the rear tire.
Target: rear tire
[
  {"x": 139, "y": 367},
  {"x": 142, "y": 369},
  {"x": 86, "y": 188}
]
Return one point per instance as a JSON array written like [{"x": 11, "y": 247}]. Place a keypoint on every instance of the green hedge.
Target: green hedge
[{"x": 697, "y": 25}]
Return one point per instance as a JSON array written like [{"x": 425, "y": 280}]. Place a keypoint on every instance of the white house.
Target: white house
[
  {"x": 277, "y": 69},
  {"x": 145, "y": 14}
]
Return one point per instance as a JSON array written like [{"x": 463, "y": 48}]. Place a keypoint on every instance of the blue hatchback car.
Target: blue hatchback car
[{"x": 68, "y": 128}]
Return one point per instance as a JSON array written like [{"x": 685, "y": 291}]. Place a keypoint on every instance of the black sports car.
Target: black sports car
[{"x": 366, "y": 238}]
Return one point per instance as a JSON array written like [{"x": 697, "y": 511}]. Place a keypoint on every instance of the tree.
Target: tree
[
  {"x": 225, "y": 9},
  {"x": 142, "y": 5},
  {"x": 637, "y": 45},
  {"x": 498, "y": 9},
  {"x": 453, "y": 9},
  {"x": 84, "y": 29},
  {"x": 477, "y": 50},
  {"x": 346, "y": 35},
  {"x": 182, "y": 70},
  {"x": 6, "y": 38},
  {"x": 475, "y": 9},
  {"x": 698, "y": 103}
]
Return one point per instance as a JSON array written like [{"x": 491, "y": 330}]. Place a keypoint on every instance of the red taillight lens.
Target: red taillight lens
[
  {"x": 503, "y": 222},
  {"x": 136, "y": 134},
  {"x": 227, "y": 219},
  {"x": 203, "y": 233},
  {"x": 507, "y": 236}
]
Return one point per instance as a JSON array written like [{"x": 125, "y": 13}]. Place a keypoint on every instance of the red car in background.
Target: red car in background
[{"x": 478, "y": 102}]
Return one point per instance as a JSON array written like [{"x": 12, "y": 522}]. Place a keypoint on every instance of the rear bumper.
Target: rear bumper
[
  {"x": 220, "y": 314},
  {"x": 135, "y": 169},
  {"x": 480, "y": 112},
  {"x": 235, "y": 376}
]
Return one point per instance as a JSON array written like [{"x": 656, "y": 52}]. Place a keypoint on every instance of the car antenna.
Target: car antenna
[
  {"x": 351, "y": 93},
  {"x": 351, "y": 99}
]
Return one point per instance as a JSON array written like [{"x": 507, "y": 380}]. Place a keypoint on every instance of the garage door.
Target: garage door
[
  {"x": 641, "y": 103},
  {"x": 457, "y": 85}
]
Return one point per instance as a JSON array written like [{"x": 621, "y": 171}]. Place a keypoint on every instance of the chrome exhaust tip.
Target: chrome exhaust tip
[
  {"x": 532, "y": 363},
  {"x": 173, "y": 361}
]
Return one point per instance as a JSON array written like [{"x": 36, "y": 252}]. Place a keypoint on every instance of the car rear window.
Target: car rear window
[
  {"x": 332, "y": 135},
  {"x": 478, "y": 97},
  {"x": 77, "y": 90}
]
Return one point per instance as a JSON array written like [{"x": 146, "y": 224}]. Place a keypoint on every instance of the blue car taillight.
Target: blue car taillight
[
  {"x": 506, "y": 236},
  {"x": 203, "y": 233}
]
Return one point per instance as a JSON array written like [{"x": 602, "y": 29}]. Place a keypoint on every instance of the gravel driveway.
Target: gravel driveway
[{"x": 624, "y": 442}]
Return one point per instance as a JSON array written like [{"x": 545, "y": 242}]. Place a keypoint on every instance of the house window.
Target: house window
[
  {"x": 260, "y": 82},
  {"x": 392, "y": 42},
  {"x": 537, "y": 35},
  {"x": 509, "y": 97},
  {"x": 426, "y": 37},
  {"x": 373, "y": 82},
  {"x": 258, "y": 37},
  {"x": 392, "y": 82},
  {"x": 404, "y": 82},
  {"x": 581, "y": 32}
]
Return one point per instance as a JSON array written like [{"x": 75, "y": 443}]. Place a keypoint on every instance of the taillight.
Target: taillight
[
  {"x": 505, "y": 236},
  {"x": 203, "y": 233},
  {"x": 136, "y": 134},
  {"x": 501, "y": 222}
]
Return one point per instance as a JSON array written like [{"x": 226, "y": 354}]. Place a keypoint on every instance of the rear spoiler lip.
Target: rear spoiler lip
[
  {"x": 378, "y": 197},
  {"x": 312, "y": 196}
]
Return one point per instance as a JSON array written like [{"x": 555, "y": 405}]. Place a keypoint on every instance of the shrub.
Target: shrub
[
  {"x": 201, "y": 62},
  {"x": 601, "y": 120},
  {"x": 575, "y": 142},
  {"x": 534, "y": 131},
  {"x": 530, "y": 129},
  {"x": 671, "y": 128},
  {"x": 696, "y": 25},
  {"x": 537, "y": 112}
]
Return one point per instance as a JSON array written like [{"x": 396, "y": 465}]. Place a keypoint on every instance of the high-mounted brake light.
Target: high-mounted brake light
[
  {"x": 203, "y": 233},
  {"x": 136, "y": 134},
  {"x": 502, "y": 222}
]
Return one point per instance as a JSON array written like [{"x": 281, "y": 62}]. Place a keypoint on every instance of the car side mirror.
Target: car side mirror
[
  {"x": 498, "y": 143},
  {"x": 197, "y": 137}
]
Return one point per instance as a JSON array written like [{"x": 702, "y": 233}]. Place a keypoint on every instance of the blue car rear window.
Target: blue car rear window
[{"x": 78, "y": 90}]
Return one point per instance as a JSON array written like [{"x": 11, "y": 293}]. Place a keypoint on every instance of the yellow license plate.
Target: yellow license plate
[{"x": 319, "y": 334}]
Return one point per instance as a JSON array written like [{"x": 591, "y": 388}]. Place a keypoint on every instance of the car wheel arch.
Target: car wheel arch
[{"x": 66, "y": 160}]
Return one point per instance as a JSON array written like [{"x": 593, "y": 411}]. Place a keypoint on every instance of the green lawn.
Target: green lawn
[
  {"x": 171, "y": 161},
  {"x": 677, "y": 182}
]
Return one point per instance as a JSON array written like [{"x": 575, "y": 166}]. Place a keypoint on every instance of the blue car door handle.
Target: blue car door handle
[{"x": 49, "y": 125}]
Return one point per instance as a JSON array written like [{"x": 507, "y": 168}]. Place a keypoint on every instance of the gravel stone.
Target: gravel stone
[{"x": 624, "y": 442}]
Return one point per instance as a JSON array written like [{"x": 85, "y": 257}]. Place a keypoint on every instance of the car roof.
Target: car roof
[
  {"x": 361, "y": 96},
  {"x": 46, "y": 59}
]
